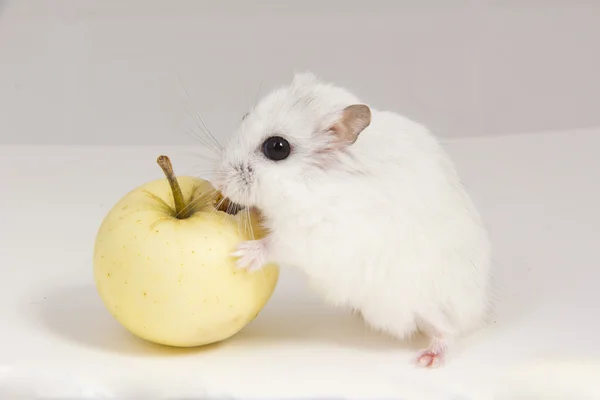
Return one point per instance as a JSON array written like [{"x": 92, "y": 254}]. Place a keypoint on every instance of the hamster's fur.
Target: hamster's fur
[{"x": 380, "y": 224}]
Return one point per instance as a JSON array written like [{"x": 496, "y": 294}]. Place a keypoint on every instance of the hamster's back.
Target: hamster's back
[{"x": 432, "y": 220}]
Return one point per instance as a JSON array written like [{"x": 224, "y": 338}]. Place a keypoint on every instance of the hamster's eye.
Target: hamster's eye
[{"x": 276, "y": 148}]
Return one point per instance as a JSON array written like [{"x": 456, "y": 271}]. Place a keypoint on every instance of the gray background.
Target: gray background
[{"x": 108, "y": 72}]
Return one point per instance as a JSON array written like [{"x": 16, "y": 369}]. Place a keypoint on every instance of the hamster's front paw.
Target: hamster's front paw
[{"x": 252, "y": 255}]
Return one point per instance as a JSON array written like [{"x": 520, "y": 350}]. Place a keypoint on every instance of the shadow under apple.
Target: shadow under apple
[{"x": 77, "y": 314}]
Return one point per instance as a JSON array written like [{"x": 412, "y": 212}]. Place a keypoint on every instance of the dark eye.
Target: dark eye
[{"x": 276, "y": 148}]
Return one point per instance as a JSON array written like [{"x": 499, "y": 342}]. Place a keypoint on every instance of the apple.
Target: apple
[{"x": 163, "y": 265}]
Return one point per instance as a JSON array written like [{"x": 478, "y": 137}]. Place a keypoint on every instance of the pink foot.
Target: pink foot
[
  {"x": 252, "y": 255},
  {"x": 434, "y": 355},
  {"x": 430, "y": 359}
]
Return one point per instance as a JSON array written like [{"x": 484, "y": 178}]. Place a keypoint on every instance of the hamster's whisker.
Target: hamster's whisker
[
  {"x": 218, "y": 205},
  {"x": 247, "y": 224},
  {"x": 239, "y": 230},
  {"x": 197, "y": 200},
  {"x": 209, "y": 133},
  {"x": 202, "y": 172},
  {"x": 203, "y": 139},
  {"x": 198, "y": 137},
  {"x": 257, "y": 93},
  {"x": 202, "y": 156},
  {"x": 203, "y": 127},
  {"x": 204, "y": 196},
  {"x": 248, "y": 216}
]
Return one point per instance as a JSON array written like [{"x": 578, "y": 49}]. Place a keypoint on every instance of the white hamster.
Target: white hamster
[{"x": 368, "y": 205}]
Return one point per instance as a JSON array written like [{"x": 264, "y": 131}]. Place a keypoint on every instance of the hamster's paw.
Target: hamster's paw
[
  {"x": 434, "y": 355},
  {"x": 430, "y": 359},
  {"x": 251, "y": 255}
]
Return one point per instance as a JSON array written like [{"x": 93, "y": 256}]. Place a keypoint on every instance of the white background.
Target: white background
[{"x": 106, "y": 72}]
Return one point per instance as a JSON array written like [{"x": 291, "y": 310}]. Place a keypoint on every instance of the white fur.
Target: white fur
[{"x": 384, "y": 227}]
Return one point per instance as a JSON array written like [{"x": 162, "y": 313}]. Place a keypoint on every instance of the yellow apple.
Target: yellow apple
[{"x": 163, "y": 265}]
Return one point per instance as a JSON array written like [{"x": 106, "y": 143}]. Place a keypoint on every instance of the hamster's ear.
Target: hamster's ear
[{"x": 352, "y": 121}]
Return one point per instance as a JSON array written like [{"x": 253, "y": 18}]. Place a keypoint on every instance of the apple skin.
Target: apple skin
[{"x": 173, "y": 281}]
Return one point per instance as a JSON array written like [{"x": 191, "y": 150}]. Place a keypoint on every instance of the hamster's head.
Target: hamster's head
[{"x": 294, "y": 133}]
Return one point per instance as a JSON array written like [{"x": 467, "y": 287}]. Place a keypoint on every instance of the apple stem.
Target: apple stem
[{"x": 165, "y": 163}]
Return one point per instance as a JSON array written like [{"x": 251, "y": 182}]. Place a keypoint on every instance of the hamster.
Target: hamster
[{"x": 368, "y": 205}]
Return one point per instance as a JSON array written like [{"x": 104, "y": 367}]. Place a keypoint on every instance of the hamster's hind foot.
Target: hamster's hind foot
[{"x": 435, "y": 354}]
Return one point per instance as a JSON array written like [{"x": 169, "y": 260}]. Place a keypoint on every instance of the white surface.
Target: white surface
[
  {"x": 539, "y": 195},
  {"x": 105, "y": 72}
]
